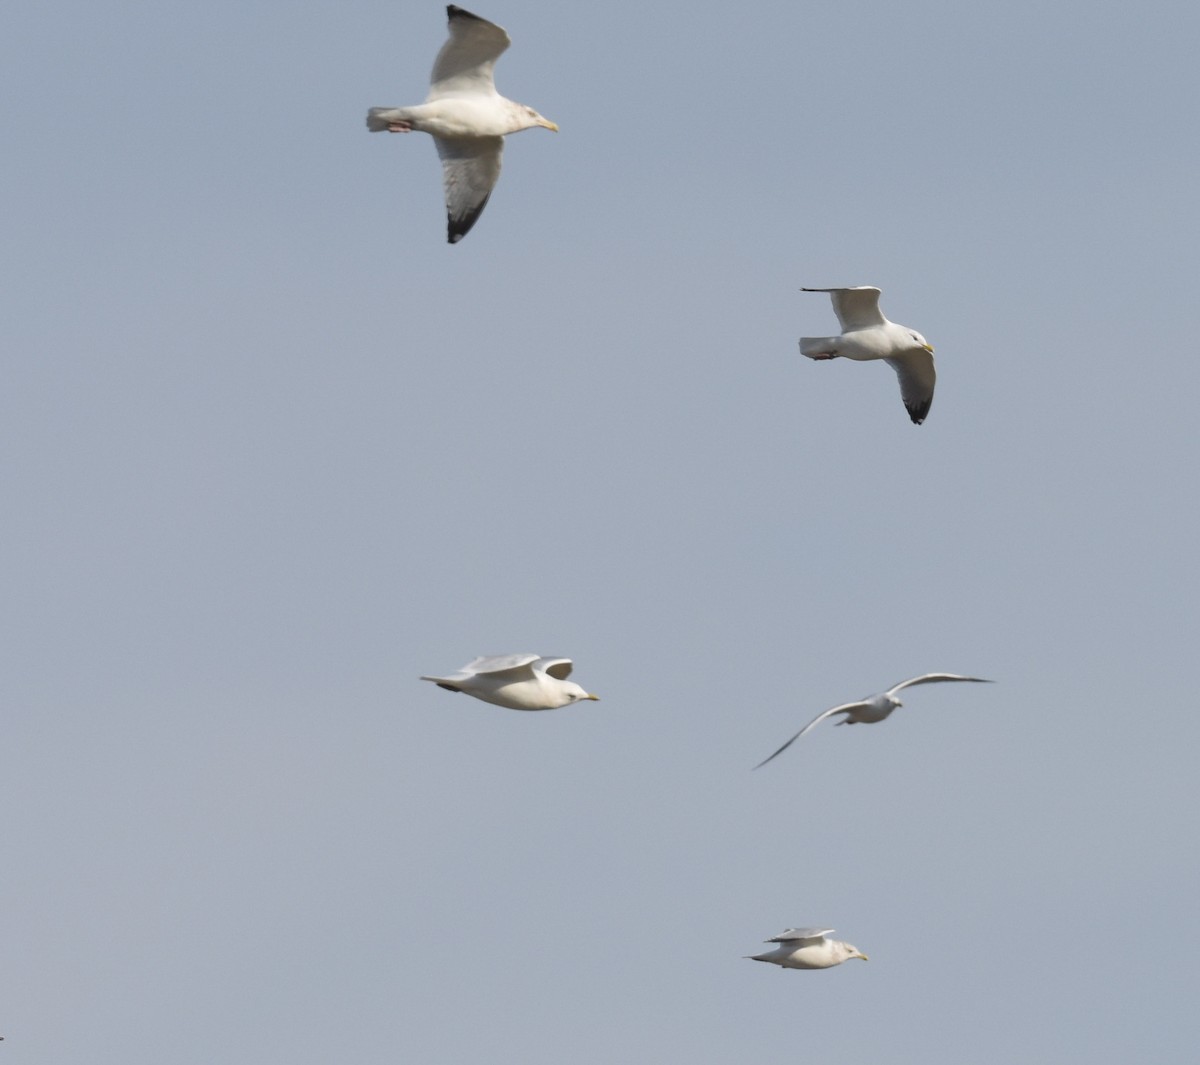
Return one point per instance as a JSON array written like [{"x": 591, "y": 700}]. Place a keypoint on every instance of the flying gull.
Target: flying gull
[
  {"x": 807, "y": 948},
  {"x": 519, "y": 682},
  {"x": 867, "y": 334},
  {"x": 872, "y": 709},
  {"x": 466, "y": 116}
]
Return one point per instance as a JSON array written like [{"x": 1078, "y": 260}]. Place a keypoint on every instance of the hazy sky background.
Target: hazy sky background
[{"x": 272, "y": 448}]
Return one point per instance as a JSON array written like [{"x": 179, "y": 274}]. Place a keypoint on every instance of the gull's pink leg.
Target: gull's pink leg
[
  {"x": 822, "y": 358},
  {"x": 399, "y": 127}
]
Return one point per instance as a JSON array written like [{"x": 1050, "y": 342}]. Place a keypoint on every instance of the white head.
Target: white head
[
  {"x": 920, "y": 344},
  {"x": 573, "y": 693},
  {"x": 853, "y": 952},
  {"x": 527, "y": 118}
]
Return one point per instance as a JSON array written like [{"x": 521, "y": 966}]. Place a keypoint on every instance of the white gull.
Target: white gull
[{"x": 465, "y": 115}]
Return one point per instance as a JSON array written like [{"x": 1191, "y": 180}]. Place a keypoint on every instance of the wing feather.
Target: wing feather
[
  {"x": 934, "y": 678},
  {"x": 856, "y": 308},
  {"x": 466, "y": 62},
  {"x": 558, "y": 668},
  {"x": 492, "y": 664},
  {"x": 917, "y": 377},
  {"x": 470, "y": 170},
  {"x": 793, "y": 935},
  {"x": 845, "y": 708}
]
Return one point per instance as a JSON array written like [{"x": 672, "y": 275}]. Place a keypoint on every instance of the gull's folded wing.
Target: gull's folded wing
[{"x": 795, "y": 935}]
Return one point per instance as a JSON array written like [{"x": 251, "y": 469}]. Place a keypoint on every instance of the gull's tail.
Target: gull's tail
[
  {"x": 819, "y": 347},
  {"x": 443, "y": 682},
  {"x": 379, "y": 118}
]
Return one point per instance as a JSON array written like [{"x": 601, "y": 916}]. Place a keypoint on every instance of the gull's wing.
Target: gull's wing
[
  {"x": 501, "y": 667},
  {"x": 933, "y": 678},
  {"x": 495, "y": 664},
  {"x": 464, "y": 65},
  {"x": 558, "y": 668},
  {"x": 845, "y": 708},
  {"x": 794, "y": 934},
  {"x": 856, "y": 308},
  {"x": 470, "y": 169},
  {"x": 917, "y": 378}
]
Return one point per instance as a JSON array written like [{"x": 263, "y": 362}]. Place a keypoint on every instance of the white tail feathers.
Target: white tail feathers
[{"x": 379, "y": 118}]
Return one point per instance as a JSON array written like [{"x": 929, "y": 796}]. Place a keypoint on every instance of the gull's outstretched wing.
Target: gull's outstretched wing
[
  {"x": 845, "y": 708},
  {"x": 470, "y": 170},
  {"x": 558, "y": 668},
  {"x": 793, "y": 935},
  {"x": 934, "y": 678},
  {"x": 917, "y": 378},
  {"x": 856, "y": 308},
  {"x": 465, "y": 63}
]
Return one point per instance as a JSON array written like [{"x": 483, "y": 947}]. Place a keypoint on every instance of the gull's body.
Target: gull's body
[
  {"x": 867, "y": 335},
  {"x": 875, "y": 708},
  {"x": 807, "y": 948},
  {"x": 467, "y": 118},
  {"x": 518, "y": 682}
]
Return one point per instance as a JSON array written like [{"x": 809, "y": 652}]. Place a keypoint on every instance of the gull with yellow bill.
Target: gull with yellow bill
[{"x": 467, "y": 118}]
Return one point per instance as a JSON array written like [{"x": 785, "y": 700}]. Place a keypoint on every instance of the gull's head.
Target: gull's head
[
  {"x": 846, "y": 951},
  {"x": 576, "y": 694},
  {"x": 532, "y": 118},
  {"x": 921, "y": 342}
]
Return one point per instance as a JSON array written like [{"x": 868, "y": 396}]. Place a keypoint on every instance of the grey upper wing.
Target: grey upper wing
[
  {"x": 470, "y": 170},
  {"x": 493, "y": 664},
  {"x": 467, "y": 59},
  {"x": 917, "y": 378},
  {"x": 793, "y": 934},
  {"x": 558, "y": 668},
  {"x": 845, "y": 708},
  {"x": 856, "y": 308},
  {"x": 934, "y": 678}
]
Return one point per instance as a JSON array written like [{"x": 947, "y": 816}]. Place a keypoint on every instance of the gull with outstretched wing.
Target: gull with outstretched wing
[
  {"x": 466, "y": 116},
  {"x": 867, "y": 335},
  {"x": 873, "y": 709}
]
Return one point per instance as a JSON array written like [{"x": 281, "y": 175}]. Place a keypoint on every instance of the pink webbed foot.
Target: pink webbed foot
[
  {"x": 822, "y": 358},
  {"x": 399, "y": 127}
]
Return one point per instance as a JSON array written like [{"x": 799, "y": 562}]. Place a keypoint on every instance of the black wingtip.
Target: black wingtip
[
  {"x": 457, "y": 228},
  {"x": 919, "y": 412},
  {"x": 453, "y": 11}
]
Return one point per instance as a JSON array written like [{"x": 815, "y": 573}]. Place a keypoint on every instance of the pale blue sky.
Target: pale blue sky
[{"x": 272, "y": 448}]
